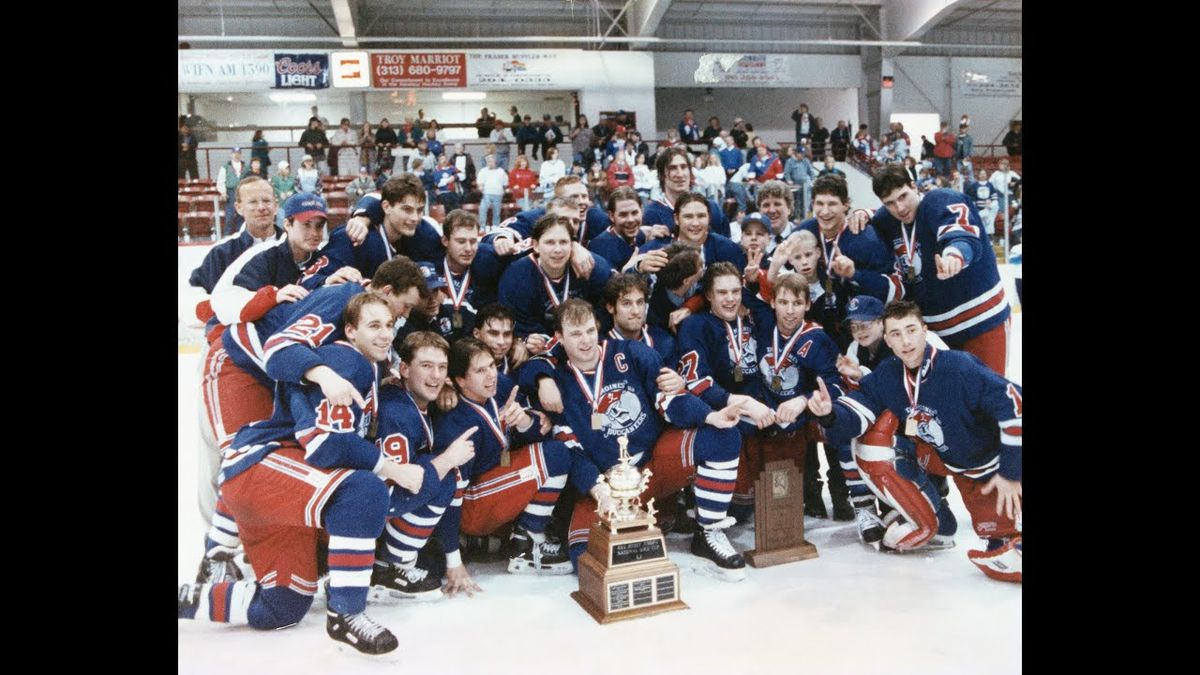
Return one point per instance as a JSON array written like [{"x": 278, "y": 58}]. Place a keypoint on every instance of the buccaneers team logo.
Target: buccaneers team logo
[
  {"x": 929, "y": 428},
  {"x": 622, "y": 410},
  {"x": 785, "y": 379}
]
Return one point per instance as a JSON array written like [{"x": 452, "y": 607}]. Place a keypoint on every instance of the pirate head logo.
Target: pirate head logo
[
  {"x": 788, "y": 376},
  {"x": 622, "y": 410},
  {"x": 929, "y": 428}
]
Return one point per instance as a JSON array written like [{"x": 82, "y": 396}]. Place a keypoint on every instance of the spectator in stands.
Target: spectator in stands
[
  {"x": 549, "y": 134},
  {"x": 386, "y": 139},
  {"x": 616, "y": 145},
  {"x": 485, "y": 123},
  {"x": 345, "y": 139},
  {"x": 1012, "y": 140},
  {"x": 321, "y": 119},
  {"x": 260, "y": 149},
  {"x": 634, "y": 145},
  {"x": 503, "y": 140},
  {"x": 713, "y": 130},
  {"x": 926, "y": 148},
  {"x": 361, "y": 185},
  {"x": 806, "y": 123},
  {"x": 741, "y": 139},
  {"x": 523, "y": 182},
  {"x": 315, "y": 143},
  {"x": 256, "y": 169},
  {"x": 516, "y": 117},
  {"x": 689, "y": 131},
  {"x": 839, "y": 140},
  {"x": 382, "y": 176},
  {"x": 645, "y": 180},
  {"x": 863, "y": 141},
  {"x": 427, "y": 158},
  {"x": 620, "y": 174},
  {"x": 228, "y": 178},
  {"x": 187, "y": 153},
  {"x": 581, "y": 142},
  {"x": 899, "y": 144},
  {"x": 527, "y": 135},
  {"x": 943, "y": 149},
  {"x": 435, "y": 145},
  {"x": 830, "y": 169},
  {"x": 597, "y": 179},
  {"x": 711, "y": 175},
  {"x": 284, "y": 185},
  {"x": 910, "y": 166},
  {"x": 672, "y": 139},
  {"x": 964, "y": 148},
  {"x": 750, "y": 138},
  {"x": 367, "y": 155},
  {"x": 764, "y": 167},
  {"x": 819, "y": 139},
  {"x": 798, "y": 173},
  {"x": 552, "y": 169},
  {"x": 465, "y": 164},
  {"x": 492, "y": 180},
  {"x": 308, "y": 177},
  {"x": 447, "y": 179}
]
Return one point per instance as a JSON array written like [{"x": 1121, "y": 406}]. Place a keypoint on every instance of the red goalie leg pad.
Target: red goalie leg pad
[
  {"x": 875, "y": 456},
  {"x": 1003, "y": 564}
]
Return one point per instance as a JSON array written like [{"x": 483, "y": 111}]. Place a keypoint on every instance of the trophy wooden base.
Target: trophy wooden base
[
  {"x": 779, "y": 516},
  {"x": 627, "y": 575}
]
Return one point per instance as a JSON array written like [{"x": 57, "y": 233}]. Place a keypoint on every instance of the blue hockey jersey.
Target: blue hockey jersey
[
  {"x": 291, "y": 350},
  {"x": 655, "y": 338},
  {"x": 627, "y": 398},
  {"x": 969, "y": 415},
  {"x": 971, "y": 302},
  {"x": 659, "y": 212},
  {"x": 247, "y": 289},
  {"x": 526, "y": 290},
  {"x": 331, "y": 436},
  {"x": 221, "y": 255},
  {"x": 716, "y": 248},
  {"x": 520, "y": 226},
  {"x": 707, "y": 358},
  {"x": 613, "y": 247}
]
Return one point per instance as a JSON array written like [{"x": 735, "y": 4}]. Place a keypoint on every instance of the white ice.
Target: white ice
[{"x": 851, "y": 610}]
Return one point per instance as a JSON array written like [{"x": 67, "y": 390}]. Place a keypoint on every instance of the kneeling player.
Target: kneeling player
[
  {"x": 963, "y": 420},
  {"x": 517, "y": 472},
  {"x": 309, "y": 468},
  {"x": 609, "y": 390}
]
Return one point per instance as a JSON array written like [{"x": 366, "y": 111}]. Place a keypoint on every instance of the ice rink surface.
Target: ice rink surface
[{"x": 851, "y": 610}]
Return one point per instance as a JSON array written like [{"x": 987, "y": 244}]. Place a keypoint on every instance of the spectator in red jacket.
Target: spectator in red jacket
[
  {"x": 619, "y": 172},
  {"x": 522, "y": 181},
  {"x": 943, "y": 150}
]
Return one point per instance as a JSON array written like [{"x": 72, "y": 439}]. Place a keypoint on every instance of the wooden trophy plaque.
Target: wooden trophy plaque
[
  {"x": 779, "y": 516},
  {"x": 625, "y": 572}
]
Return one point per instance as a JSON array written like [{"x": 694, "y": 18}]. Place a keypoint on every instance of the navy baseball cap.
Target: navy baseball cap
[
  {"x": 864, "y": 308},
  {"x": 758, "y": 218},
  {"x": 304, "y": 206},
  {"x": 433, "y": 279}
]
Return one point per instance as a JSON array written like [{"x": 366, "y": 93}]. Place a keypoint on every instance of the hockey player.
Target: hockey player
[
  {"x": 309, "y": 469},
  {"x": 674, "y": 166},
  {"x": 590, "y": 220},
  {"x": 494, "y": 328},
  {"x": 239, "y": 375},
  {"x": 691, "y": 219},
  {"x": 964, "y": 421},
  {"x": 406, "y": 435},
  {"x": 944, "y": 263},
  {"x": 517, "y": 473},
  {"x": 625, "y": 300},
  {"x": 853, "y": 263},
  {"x": 717, "y": 348},
  {"x": 791, "y": 353},
  {"x": 535, "y": 285},
  {"x": 676, "y": 294},
  {"x": 620, "y": 242},
  {"x": 609, "y": 391},
  {"x": 258, "y": 281},
  {"x": 432, "y": 314},
  {"x": 384, "y": 224},
  {"x": 471, "y": 271}
]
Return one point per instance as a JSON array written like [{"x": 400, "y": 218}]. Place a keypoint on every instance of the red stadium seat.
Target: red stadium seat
[
  {"x": 338, "y": 216},
  {"x": 337, "y": 199},
  {"x": 199, "y": 225}
]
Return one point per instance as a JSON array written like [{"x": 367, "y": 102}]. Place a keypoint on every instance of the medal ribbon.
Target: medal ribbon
[
  {"x": 787, "y": 348},
  {"x": 457, "y": 297},
  {"x": 735, "y": 345},
  {"x": 497, "y": 425},
  {"x": 424, "y": 422},
  {"x": 550, "y": 286},
  {"x": 592, "y": 394}
]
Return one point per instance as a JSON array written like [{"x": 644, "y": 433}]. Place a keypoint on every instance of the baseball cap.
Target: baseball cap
[
  {"x": 432, "y": 278},
  {"x": 304, "y": 206},
  {"x": 237, "y": 150},
  {"x": 864, "y": 308},
  {"x": 756, "y": 218}
]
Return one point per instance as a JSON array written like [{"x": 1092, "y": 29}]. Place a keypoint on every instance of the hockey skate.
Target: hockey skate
[
  {"x": 218, "y": 567},
  {"x": 392, "y": 582},
  {"x": 360, "y": 632},
  {"x": 189, "y": 600},
  {"x": 526, "y": 556},
  {"x": 721, "y": 560},
  {"x": 870, "y": 526}
]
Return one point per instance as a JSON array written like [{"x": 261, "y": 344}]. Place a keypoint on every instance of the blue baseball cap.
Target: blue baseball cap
[
  {"x": 432, "y": 278},
  {"x": 304, "y": 206},
  {"x": 864, "y": 308},
  {"x": 756, "y": 217}
]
